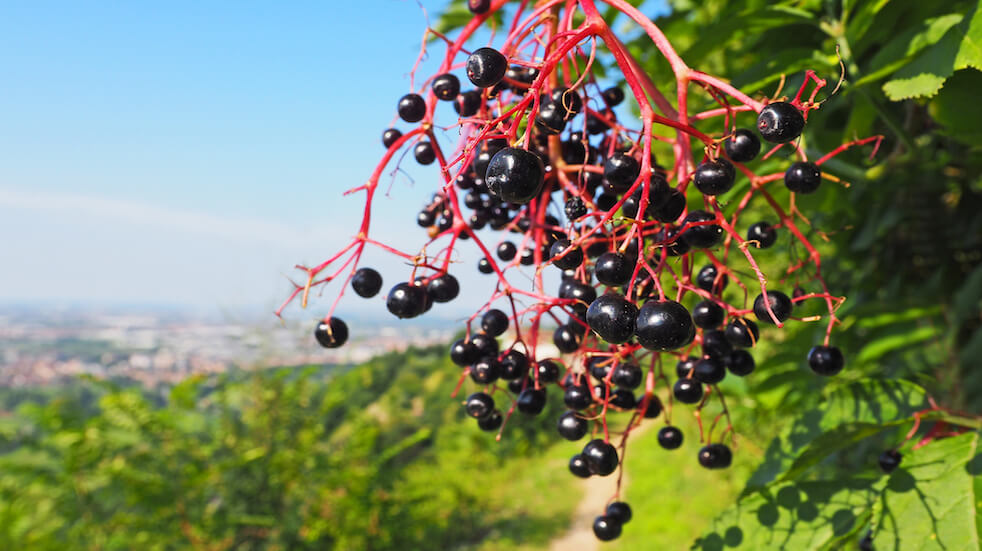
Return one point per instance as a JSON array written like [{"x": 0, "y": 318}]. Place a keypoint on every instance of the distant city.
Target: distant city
[{"x": 43, "y": 346}]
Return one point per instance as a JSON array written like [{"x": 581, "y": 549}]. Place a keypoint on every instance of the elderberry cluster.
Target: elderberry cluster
[{"x": 643, "y": 250}]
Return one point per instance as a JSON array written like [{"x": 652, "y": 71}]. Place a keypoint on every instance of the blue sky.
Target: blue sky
[{"x": 189, "y": 153}]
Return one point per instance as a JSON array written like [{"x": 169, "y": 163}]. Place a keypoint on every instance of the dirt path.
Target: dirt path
[{"x": 596, "y": 491}]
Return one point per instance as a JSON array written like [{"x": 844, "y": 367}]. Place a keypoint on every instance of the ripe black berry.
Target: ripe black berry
[
  {"x": 742, "y": 146},
  {"x": 664, "y": 325},
  {"x": 826, "y": 360},
  {"x": 492, "y": 422},
  {"x": 424, "y": 153},
  {"x": 687, "y": 391},
  {"x": 803, "y": 177},
  {"x": 621, "y": 170},
  {"x": 464, "y": 353},
  {"x": 478, "y": 7},
  {"x": 446, "y": 87},
  {"x": 547, "y": 371},
  {"x": 575, "y": 208},
  {"x": 468, "y": 103},
  {"x": 406, "y": 300},
  {"x": 426, "y": 218},
  {"x": 514, "y": 365},
  {"x": 581, "y": 292},
  {"x": 601, "y": 457},
  {"x": 486, "y": 67},
  {"x": 627, "y": 375},
  {"x": 742, "y": 332},
  {"x": 366, "y": 282},
  {"x": 486, "y": 370},
  {"x": 571, "y": 260},
  {"x": 484, "y": 266},
  {"x": 670, "y": 437},
  {"x": 653, "y": 409},
  {"x": 507, "y": 250},
  {"x": 577, "y": 396},
  {"x": 486, "y": 344},
  {"x": 715, "y": 345},
  {"x": 572, "y": 427},
  {"x": 762, "y": 235},
  {"x": 567, "y": 338},
  {"x": 613, "y": 96},
  {"x": 579, "y": 467},
  {"x": 684, "y": 366},
  {"x": 704, "y": 236},
  {"x": 443, "y": 288},
  {"x": 531, "y": 401},
  {"x": 714, "y": 177},
  {"x": 515, "y": 175},
  {"x": 671, "y": 207},
  {"x": 390, "y": 136},
  {"x": 889, "y": 460},
  {"x": 710, "y": 280},
  {"x": 479, "y": 405},
  {"x": 780, "y": 305},
  {"x": 780, "y": 122},
  {"x": 623, "y": 399},
  {"x": 708, "y": 315},
  {"x": 494, "y": 322},
  {"x": 709, "y": 371},
  {"x": 613, "y": 268},
  {"x": 412, "y": 108},
  {"x": 569, "y": 102},
  {"x": 606, "y": 528},
  {"x": 620, "y": 511},
  {"x": 740, "y": 362},
  {"x": 551, "y": 118},
  {"x": 715, "y": 456},
  {"x": 331, "y": 334}
]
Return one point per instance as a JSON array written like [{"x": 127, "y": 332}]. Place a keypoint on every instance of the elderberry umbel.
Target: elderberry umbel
[{"x": 604, "y": 249}]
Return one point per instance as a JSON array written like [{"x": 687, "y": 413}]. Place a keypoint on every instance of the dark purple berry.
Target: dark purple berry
[
  {"x": 613, "y": 96},
  {"x": 486, "y": 67},
  {"x": 406, "y": 300},
  {"x": 613, "y": 268},
  {"x": 601, "y": 457},
  {"x": 366, "y": 282},
  {"x": 464, "y": 353},
  {"x": 412, "y": 108},
  {"x": 780, "y": 305},
  {"x": 826, "y": 360},
  {"x": 492, "y": 422},
  {"x": 803, "y": 177},
  {"x": 709, "y": 371},
  {"x": 578, "y": 466},
  {"x": 889, "y": 460},
  {"x": 702, "y": 236},
  {"x": 468, "y": 103},
  {"x": 742, "y": 332},
  {"x": 687, "y": 391},
  {"x": 446, "y": 87},
  {"x": 531, "y": 401},
  {"x": 621, "y": 170},
  {"x": 715, "y": 456},
  {"x": 606, "y": 528},
  {"x": 742, "y": 146},
  {"x": 708, "y": 315},
  {"x": 479, "y": 405},
  {"x": 494, "y": 322},
  {"x": 714, "y": 177},
  {"x": 762, "y": 235},
  {"x": 571, "y": 260},
  {"x": 515, "y": 175},
  {"x": 424, "y": 153},
  {"x": 332, "y": 333},
  {"x": 709, "y": 280},
  {"x": 572, "y": 427},
  {"x": 443, "y": 288},
  {"x": 664, "y": 325},
  {"x": 780, "y": 122},
  {"x": 740, "y": 362},
  {"x": 390, "y": 137},
  {"x": 670, "y": 437}
]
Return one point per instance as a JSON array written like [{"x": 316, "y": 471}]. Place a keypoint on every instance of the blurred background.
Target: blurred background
[{"x": 164, "y": 167}]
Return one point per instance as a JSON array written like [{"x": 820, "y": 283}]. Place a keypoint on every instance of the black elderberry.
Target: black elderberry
[
  {"x": 331, "y": 334},
  {"x": 780, "y": 122},
  {"x": 577, "y": 396},
  {"x": 623, "y": 399},
  {"x": 601, "y": 457},
  {"x": 621, "y": 170},
  {"x": 687, "y": 391},
  {"x": 479, "y": 405},
  {"x": 743, "y": 146},
  {"x": 492, "y": 422},
  {"x": 484, "y": 266},
  {"x": 575, "y": 208},
  {"x": 742, "y": 332},
  {"x": 606, "y": 528},
  {"x": 424, "y": 153},
  {"x": 613, "y": 96},
  {"x": 468, "y": 103},
  {"x": 366, "y": 282},
  {"x": 762, "y": 235},
  {"x": 531, "y": 401},
  {"x": 406, "y": 300},
  {"x": 715, "y": 456},
  {"x": 569, "y": 102},
  {"x": 547, "y": 371},
  {"x": 390, "y": 137},
  {"x": 486, "y": 370},
  {"x": 578, "y": 466},
  {"x": 714, "y": 177},
  {"x": 709, "y": 371},
  {"x": 701, "y": 236},
  {"x": 514, "y": 365},
  {"x": 803, "y": 177},
  {"x": 653, "y": 409},
  {"x": 826, "y": 360},
  {"x": 715, "y": 345},
  {"x": 571, "y": 260},
  {"x": 889, "y": 460},
  {"x": 664, "y": 325},
  {"x": 443, "y": 288},
  {"x": 478, "y": 7},
  {"x": 670, "y": 437},
  {"x": 515, "y": 175},
  {"x": 426, "y": 218},
  {"x": 620, "y": 511},
  {"x": 486, "y": 67},
  {"x": 740, "y": 363},
  {"x": 780, "y": 305},
  {"x": 446, "y": 87},
  {"x": 710, "y": 281},
  {"x": 464, "y": 353},
  {"x": 708, "y": 315},
  {"x": 627, "y": 375},
  {"x": 412, "y": 108},
  {"x": 494, "y": 322},
  {"x": 684, "y": 366},
  {"x": 486, "y": 344},
  {"x": 566, "y": 338},
  {"x": 572, "y": 427}
]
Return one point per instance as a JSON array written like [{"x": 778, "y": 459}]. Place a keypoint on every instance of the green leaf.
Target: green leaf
[
  {"x": 959, "y": 48},
  {"x": 849, "y": 414},
  {"x": 902, "y": 49},
  {"x": 956, "y": 109},
  {"x": 931, "y": 502}
]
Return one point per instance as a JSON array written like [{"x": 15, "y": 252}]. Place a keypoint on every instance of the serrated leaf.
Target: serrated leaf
[
  {"x": 931, "y": 502},
  {"x": 959, "y": 48},
  {"x": 902, "y": 49},
  {"x": 954, "y": 110},
  {"x": 848, "y": 411}
]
